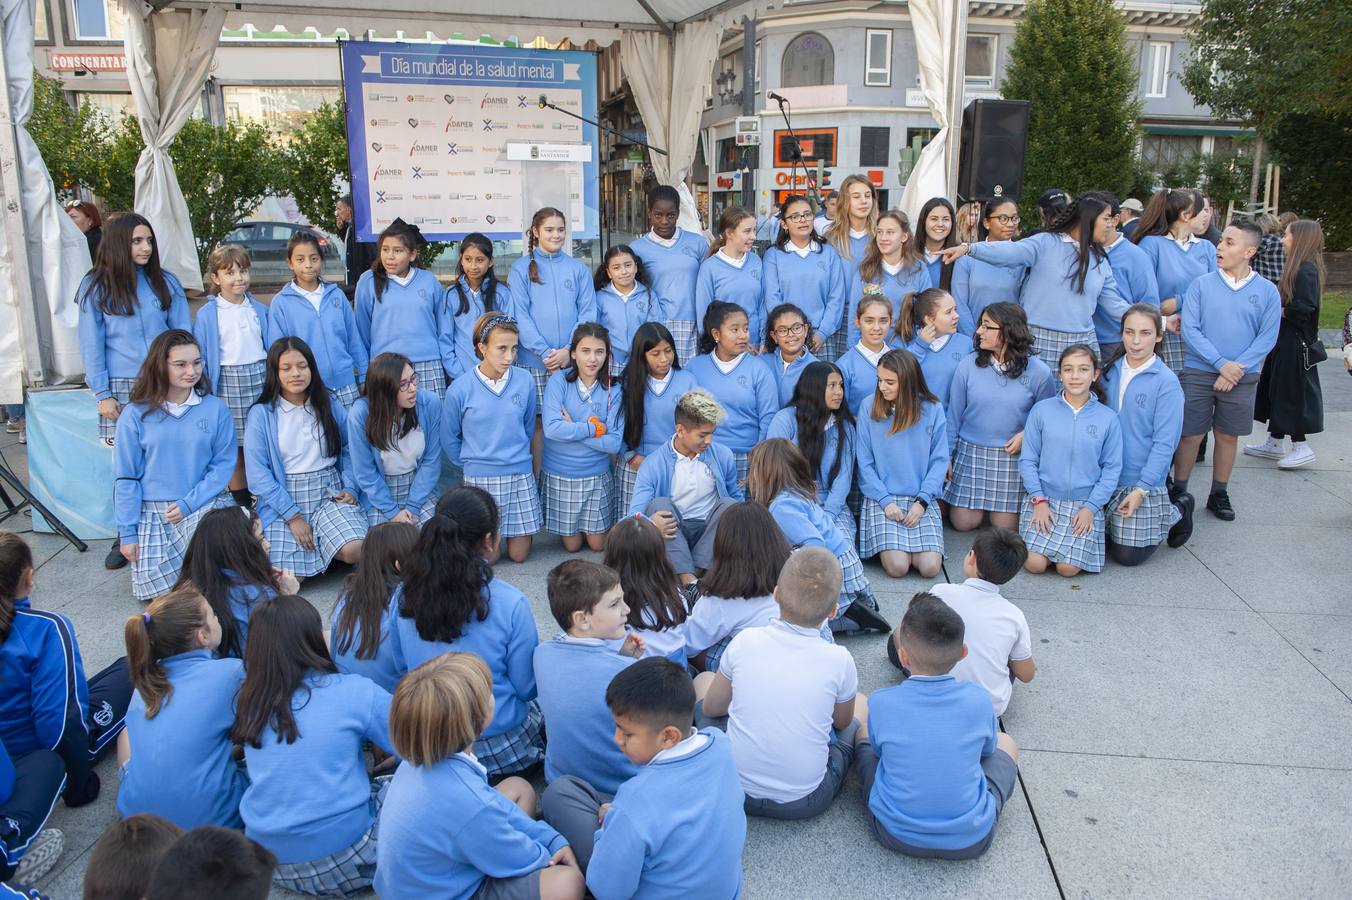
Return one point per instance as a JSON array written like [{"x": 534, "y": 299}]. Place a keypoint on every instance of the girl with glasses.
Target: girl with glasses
[
  {"x": 978, "y": 284},
  {"x": 801, "y": 270},
  {"x": 786, "y": 337}
]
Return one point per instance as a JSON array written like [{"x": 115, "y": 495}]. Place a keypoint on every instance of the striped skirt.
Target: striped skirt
[
  {"x": 743, "y": 461},
  {"x": 984, "y": 478},
  {"x": 686, "y": 336},
  {"x": 1060, "y": 545},
  {"x": 346, "y": 872},
  {"x": 431, "y": 376},
  {"x": 578, "y": 504},
  {"x": 1149, "y": 525},
  {"x": 1048, "y": 344},
  {"x": 161, "y": 546},
  {"x": 239, "y": 387},
  {"x": 346, "y": 395},
  {"x": 121, "y": 391},
  {"x": 625, "y": 479},
  {"x": 400, "y": 486},
  {"x": 541, "y": 378},
  {"x": 878, "y": 533},
  {"x": 1173, "y": 351},
  {"x": 847, "y": 524},
  {"x": 333, "y": 524},
  {"x": 514, "y": 750},
  {"x": 853, "y": 579},
  {"x": 518, "y": 501},
  {"x": 837, "y": 345}
]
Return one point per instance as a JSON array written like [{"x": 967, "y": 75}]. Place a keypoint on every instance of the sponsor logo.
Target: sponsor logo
[
  {"x": 564, "y": 126},
  {"x": 521, "y": 101},
  {"x": 462, "y": 196},
  {"x": 387, "y": 172},
  {"x": 425, "y": 220},
  {"x": 423, "y": 150},
  {"x": 493, "y": 125},
  {"x": 490, "y": 219},
  {"x": 489, "y": 101},
  {"x": 376, "y": 146},
  {"x": 387, "y": 197},
  {"x": 458, "y": 125},
  {"x": 382, "y": 98},
  {"x": 496, "y": 170},
  {"x": 426, "y": 196},
  {"x": 381, "y": 123},
  {"x": 420, "y": 172},
  {"x": 421, "y": 123},
  {"x": 451, "y": 150},
  {"x": 419, "y": 98},
  {"x": 497, "y": 196}
]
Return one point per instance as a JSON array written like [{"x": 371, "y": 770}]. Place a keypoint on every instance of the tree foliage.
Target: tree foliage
[
  {"x": 66, "y": 136},
  {"x": 1316, "y": 157},
  {"x": 315, "y": 164},
  {"x": 1070, "y": 60}
]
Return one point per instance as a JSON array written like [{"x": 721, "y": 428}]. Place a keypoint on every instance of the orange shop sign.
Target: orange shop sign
[
  {"x": 86, "y": 62},
  {"x": 786, "y": 179}
]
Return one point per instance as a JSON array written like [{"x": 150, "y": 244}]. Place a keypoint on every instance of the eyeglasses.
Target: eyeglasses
[
  {"x": 786, "y": 330},
  {"x": 982, "y": 326},
  {"x": 1007, "y": 219},
  {"x": 799, "y": 217},
  {"x": 409, "y": 382}
]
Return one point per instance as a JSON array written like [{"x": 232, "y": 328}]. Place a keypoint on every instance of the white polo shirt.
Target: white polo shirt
[{"x": 996, "y": 633}]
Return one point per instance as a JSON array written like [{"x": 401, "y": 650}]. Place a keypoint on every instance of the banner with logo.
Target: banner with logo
[{"x": 429, "y": 129}]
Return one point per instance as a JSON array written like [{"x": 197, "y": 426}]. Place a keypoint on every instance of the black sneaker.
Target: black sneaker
[
  {"x": 1182, "y": 530},
  {"x": 114, "y": 560},
  {"x": 866, "y": 617},
  {"x": 1219, "y": 504},
  {"x": 1201, "y": 453}
]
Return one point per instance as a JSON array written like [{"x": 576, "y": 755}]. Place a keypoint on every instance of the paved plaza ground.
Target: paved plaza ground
[{"x": 1187, "y": 735}]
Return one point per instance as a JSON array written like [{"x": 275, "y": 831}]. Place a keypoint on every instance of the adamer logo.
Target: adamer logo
[
  {"x": 387, "y": 172},
  {"x": 492, "y": 101},
  {"x": 423, "y": 150},
  {"x": 458, "y": 125}
]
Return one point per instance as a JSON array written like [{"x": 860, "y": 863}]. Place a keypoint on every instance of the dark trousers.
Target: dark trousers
[
  {"x": 85, "y": 742},
  {"x": 1297, "y": 437},
  {"x": 39, "y": 777}
]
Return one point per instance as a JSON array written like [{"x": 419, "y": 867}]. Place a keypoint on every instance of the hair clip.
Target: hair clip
[
  {"x": 872, "y": 290},
  {"x": 146, "y": 617}
]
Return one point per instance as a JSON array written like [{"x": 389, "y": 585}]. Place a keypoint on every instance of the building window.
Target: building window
[
  {"x": 873, "y": 142},
  {"x": 878, "y": 57},
  {"x": 1159, "y": 70},
  {"x": 98, "y": 20},
  {"x": 282, "y": 108},
  {"x": 808, "y": 60},
  {"x": 816, "y": 144},
  {"x": 1163, "y": 152},
  {"x": 42, "y": 30},
  {"x": 925, "y": 135},
  {"x": 980, "y": 61}
]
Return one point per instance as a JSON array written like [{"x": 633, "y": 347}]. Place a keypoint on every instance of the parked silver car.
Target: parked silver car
[{"x": 266, "y": 243}]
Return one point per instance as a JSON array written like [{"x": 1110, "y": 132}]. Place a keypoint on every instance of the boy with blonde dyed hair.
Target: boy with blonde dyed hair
[
  {"x": 790, "y": 696},
  {"x": 685, "y": 485}
]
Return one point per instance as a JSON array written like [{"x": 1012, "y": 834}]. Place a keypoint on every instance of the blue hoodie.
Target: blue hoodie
[
  {"x": 815, "y": 284},
  {"x": 910, "y": 463},
  {"x": 571, "y": 448},
  {"x": 673, "y": 270},
  {"x": 622, "y": 316},
  {"x": 831, "y": 494},
  {"x": 207, "y": 331},
  {"x": 1151, "y": 417},
  {"x": 1069, "y": 455},
  {"x": 720, "y": 280},
  {"x": 115, "y": 346},
  {"x": 654, "y": 475},
  {"x": 369, "y": 470},
  {"x": 331, "y": 332},
  {"x": 407, "y": 319},
  {"x": 549, "y": 311},
  {"x": 1049, "y": 295},
  {"x": 486, "y": 433}
]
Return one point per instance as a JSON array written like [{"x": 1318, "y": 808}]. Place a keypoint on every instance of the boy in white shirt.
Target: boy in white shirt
[{"x": 790, "y": 696}]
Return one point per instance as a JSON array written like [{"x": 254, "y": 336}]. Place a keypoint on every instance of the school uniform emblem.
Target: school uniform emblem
[
  {"x": 202, "y": 426},
  {"x": 422, "y": 293},
  {"x": 1092, "y": 430},
  {"x": 742, "y": 380},
  {"x": 1025, "y": 380},
  {"x": 103, "y": 717},
  {"x": 1140, "y": 400},
  {"x": 1253, "y": 299},
  {"x": 568, "y": 283},
  {"x": 518, "y": 400}
]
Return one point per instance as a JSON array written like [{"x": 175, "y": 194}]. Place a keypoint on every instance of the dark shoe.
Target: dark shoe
[
  {"x": 1219, "y": 504},
  {"x": 1182, "y": 530},
  {"x": 866, "y": 617},
  {"x": 895, "y": 659},
  {"x": 1201, "y": 451},
  {"x": 114, "y": 560}
]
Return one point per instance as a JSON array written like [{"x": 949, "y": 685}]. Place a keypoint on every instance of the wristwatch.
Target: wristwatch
[{"x": 1037, "y": 501}]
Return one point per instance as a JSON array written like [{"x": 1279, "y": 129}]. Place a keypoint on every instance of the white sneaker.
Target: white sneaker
[
  {"x": 1301, "y": 455},
  {"x": 41, "y": 856},
  {"x": 1273, "y": 448}
]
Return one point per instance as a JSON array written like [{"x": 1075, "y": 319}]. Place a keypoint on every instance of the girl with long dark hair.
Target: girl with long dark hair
[
  {"x": 672, "y": 258},
  {"x": 394, "y": 438},
  {"x": 474, "y": 293},
  {"x": 802, "y": 270},
  {"x": 657, "y": 605},
  {"x": 362, "y": 636},
  {"x": 819, "y": 422},
  {"x": 651, "y": 383},
  {"x": 1170, "y": 232},
  {"x": 1134, "y": 273},
  {"x": 977, "y": 284},
  {"x": 732, "y": 271},
  {"x": 892, "y": 265},
  {"x": 938, "y": 227},
  {"x": 624, "y": 301}
]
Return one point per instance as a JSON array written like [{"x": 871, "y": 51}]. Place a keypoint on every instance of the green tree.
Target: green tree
[
  {"x": 1315, "y": 153},
  {"x": 1070, "y": 60},
  {"x": 68, "y": 137},
  {"x": 315, "y": 164}
]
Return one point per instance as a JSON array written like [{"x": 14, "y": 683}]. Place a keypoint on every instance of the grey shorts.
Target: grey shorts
[
  {"x": 838, "y": 758},
  {"x": 1205, "y": 408},
  {"x": 1002, "y": 775},
  {"x": 522, "y": 887}
]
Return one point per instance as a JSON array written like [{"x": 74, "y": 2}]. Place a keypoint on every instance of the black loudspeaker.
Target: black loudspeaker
[{"x": 994, "y": 137}]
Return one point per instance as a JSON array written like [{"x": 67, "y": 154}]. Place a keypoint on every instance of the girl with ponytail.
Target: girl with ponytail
[
  {"x": 450, "y": 601},
  {"x": 1170, "y": 232},
  {"x": 732, "y": 271},
  {"x": 475, "y": 292},
  {"x": 361, "y": 630},
  {"x": 928, "y": 328},
  {"x": 176, "y": 753}
]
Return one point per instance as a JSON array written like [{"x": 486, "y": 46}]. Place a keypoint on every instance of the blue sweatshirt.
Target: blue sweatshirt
[
  {"x": 976, "y": 285},
  {"x": 987, "y": 409},
  {"x": 786, "y": 378},
  {"x": 675, "y": 830},
  {"x": 547, "y": 313},
  {"x": 115, "y": 346},
  {"x": 910, "y": 463},
  {"x": 7, "y": 778},
  {"x": 930, "y": 733},
  {"x": 749, "y": 395},
  {"x": 185, "y": 459},
  {"x": 673, "y": 270},
  {"x": 486, "y": 433},
  {"x": 385, "y": 667},
  {"x": 457, "y": 340},
  {"x": 1176, "y": 268},
  {"x": 720, "y": 280},
  {"x": 831, "y": 494},
  {"x": 939, "y": 366},
  {"x": 622, "y": 316},
  {"x": 1222, "y": 325},
  {"x": 816, "y": 285},
  {"x": 1069, "y": 455},
  {"x": 861, "y": 379},
  {"x": 1049, "y": 295},
  {"x": 806, "y": 524},
  {"x": 572, "y": 675},
  {"x": 505, "y": 641},
  {"x": 244, "y": 599},
  {"x": 369, "y": 470},
  {"x": 208, "y": 333},
  {"x": 180, "y": 764},
  {"x": 310, "y": 799},
  {"x": 1134, "y": 272},
  {"x": 45, "y": 691},
  {"x": 1151, "y": 418},
  {"x": 654, "y": 475},
  {"x": 443, "y": 830},
  {"x": 331, "y": 332},
  {"x": 267, "y": 473},
  {"x": 895, "y": 288},
  {"x": 407, "y": 319},
  {"x": 572, "y": 448},
  {"x": 659, "y": 412}
]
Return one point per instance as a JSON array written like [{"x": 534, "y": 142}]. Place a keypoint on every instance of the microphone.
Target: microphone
[
  {"x": 544, "y": 101},
  {"x": 777, "y": 98}
]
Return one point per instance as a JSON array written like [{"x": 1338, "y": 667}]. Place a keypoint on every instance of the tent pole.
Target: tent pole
[{"x": 957, "y": 70}]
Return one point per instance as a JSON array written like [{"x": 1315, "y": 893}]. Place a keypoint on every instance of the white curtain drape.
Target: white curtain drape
[
  {"x": 933, "y": 22},
  {"x": 57, "y": 251},
  {"x": 168, "y": 54},
  {"x": 668, "y": 75}
]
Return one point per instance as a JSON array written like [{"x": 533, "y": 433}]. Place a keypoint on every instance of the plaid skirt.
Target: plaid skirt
[
  {"x": 346, "y": 395},
  {"x": 346, "y": 872},
  {"x": 1048, "y": 344},
  {"x": 162, "y": 546},
  {"x": 878, "y": 533},
  {"x": 625, "y": 479},
  {"x": 333, "y": 524},
  {"x": 431, "y": 376},
  {"x": 541, "y": 378},
  {"x": 121, "y": 391},
  {"x": 515, "y": 750},
  {"x": 847, "y": 524},
  {"x": 239, "y": 387},
  {"x": 1060, "y": 545},
  {"x": 518, "y": 501},
  {"x": 399, "y": 486},
  {"x": 1149, "y": 525},
  {"x": 984, "y": 478},
  {"x": 686, "y": 336},
  {"x": 852, "y": 577},
  {"x": 837, "y": 345},
  {"x": 578, "y": 504},
  {"x": 743, "y": 461},
  {"x": 1173, "y": 351}
]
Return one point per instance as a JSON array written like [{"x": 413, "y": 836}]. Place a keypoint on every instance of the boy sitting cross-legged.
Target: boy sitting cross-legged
[{"x": 934, "y": 767}]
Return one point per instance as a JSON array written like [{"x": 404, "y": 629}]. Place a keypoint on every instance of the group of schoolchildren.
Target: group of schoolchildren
[{"x": 678, "y": 409}]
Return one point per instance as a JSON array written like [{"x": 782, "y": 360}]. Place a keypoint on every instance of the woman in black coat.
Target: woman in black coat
[{"x": 1289, "y": 398}]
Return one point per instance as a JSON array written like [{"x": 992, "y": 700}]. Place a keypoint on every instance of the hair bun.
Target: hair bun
[{"x": 873, "y": 290}]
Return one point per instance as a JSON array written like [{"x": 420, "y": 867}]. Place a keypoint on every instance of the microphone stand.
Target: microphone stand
[
  {"x": 545, "y": 104},
  {"x": 797, "y": 159}
]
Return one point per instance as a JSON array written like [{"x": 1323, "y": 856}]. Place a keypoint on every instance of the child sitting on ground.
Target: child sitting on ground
[
  {"x": 573, "y": 670},
  {"x": 125, "y": 857},
  {"x": 935, "y": 769},
  {"x": 213, "y": 863},
  {"x": 790, "y": 696},
  {"x": 675, "y": 829}
]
